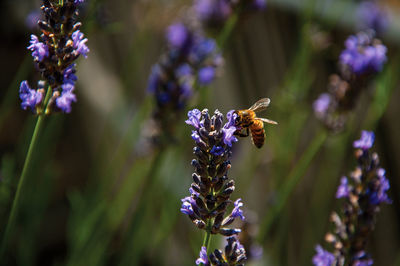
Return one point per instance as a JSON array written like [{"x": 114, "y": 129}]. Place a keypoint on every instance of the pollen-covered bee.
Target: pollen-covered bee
[{"x": 248, "y": 121}]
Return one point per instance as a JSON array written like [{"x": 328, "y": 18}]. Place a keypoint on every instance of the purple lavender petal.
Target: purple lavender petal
[
  {"x": 343, "y": 189},
  {"x": 366, "y": 141},
  {"x": 237, "y": 212},
  {"x": 321, "y": 105},
  {"x": 203, "y": 258},
  {"x": 323, "y": 257},
  {"x": 39, "y": 49},
  {"x": 194, "y": 118},
  {"x": 80, "y": 43},
  {"x": 30, "y": 98},
  {"x": 67, "y": 97},
  {"x": 206, "y": 75},
  {"x": 177, "y": 35}
]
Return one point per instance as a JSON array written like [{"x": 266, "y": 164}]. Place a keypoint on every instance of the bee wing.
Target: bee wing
[
  {"x": 260, "y": 105},
  {"x": 265, "y": 120}
]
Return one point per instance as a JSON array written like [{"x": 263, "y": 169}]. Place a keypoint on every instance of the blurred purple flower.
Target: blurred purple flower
[
  {"x": 32, "y": 19},
  {"x": 366, "y": 141},
  {"x": 363, "y": 54},
  {"x": 177, "y": 35},
  {"x": 323, "y": 257},
  {"x": 372, "y": 16},
  {"x": 206, "y": 75},
  {"x": 343, "y": 189},
  {"x": 213, "y": 10},
  {"x": 321, "y": 105}
]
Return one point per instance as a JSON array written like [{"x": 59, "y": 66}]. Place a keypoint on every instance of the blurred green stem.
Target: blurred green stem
[
  {"x": 227, "y": 29},
  {"x": 293, "y": 178},
  {"x": 207, "y": 236},
  {"x": 25, "y": 169}
]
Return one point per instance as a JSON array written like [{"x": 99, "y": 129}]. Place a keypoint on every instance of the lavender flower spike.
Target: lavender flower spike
[
  {"x": 211, "y": 189},
  {"x": 54, "y": 53},
  {"x": 363, "y": 192}
]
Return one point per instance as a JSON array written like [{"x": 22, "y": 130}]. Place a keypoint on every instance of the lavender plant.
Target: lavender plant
[
  {"x": 371, "y": 15},
  {"x": 211, "y": 190},
  {"x": 363, "y": 57},
  {"x": 363, "y": 193},
  {"x": 54, "y": 53},
  {"x": 190, "y": 58}
]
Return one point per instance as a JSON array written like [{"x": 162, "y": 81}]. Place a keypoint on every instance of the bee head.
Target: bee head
[{"x": 238, "y": 118}]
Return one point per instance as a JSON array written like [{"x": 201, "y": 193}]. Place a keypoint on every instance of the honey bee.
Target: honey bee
[{"x": 248, "y": 121}]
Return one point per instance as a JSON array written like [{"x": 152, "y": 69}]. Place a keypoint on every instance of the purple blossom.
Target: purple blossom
[
  {"x": 217, "y": 150},
  {"x": 193, "y": 192},
  {"x": 30, "y": 98},
  {"x": 177, "y": 34},
  {"x": 228, "y": 136},
  {"x": 154, "y": 79},
  {"x": 32, "y": 19},
  {"x": 39, "y": 49},
  {"x": 362, "y": 259},
  {"x": 230, "y": 128},
  {"x": 80, "y": 43},
  {"x": 378, "y": 194},
  {"x": 372, "y": 16},
  {"x": 69, "y": 74},
  {"x": 237, "y": 212},
  {"x": 203, "y": 49},
  {"x": 195, "y": 136},
  {"x": 363, "y": 54},
  {"x": 321, "y": 105},
  {"x": 213, "y": 10},
  {"x": 203, "y": 258},
  {"x": 366, "y": 141},
  {"x": 259, "y": 4},
  {"x": 79, "y": 1},
  {"x": 194, "y": 118},
  {"x": 343, "y": 189},
  {"x": 186, "y": 207},
  {"x": 323, "y": 257},
  {"x": 206, "y": 75},
  {"x": 66, "y": 98}
]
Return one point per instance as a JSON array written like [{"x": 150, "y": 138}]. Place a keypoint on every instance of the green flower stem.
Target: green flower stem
[
  {"x": 293, "y": 178},
  {"x": 25, "y": 170},
  {"x": 207, "y": 236}
]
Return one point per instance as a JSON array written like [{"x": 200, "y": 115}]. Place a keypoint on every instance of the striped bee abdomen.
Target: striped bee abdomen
[{"x": 257, "y": 133}]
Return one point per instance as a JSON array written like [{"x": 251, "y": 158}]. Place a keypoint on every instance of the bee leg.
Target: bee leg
[{"x": 241, "y": 134}]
